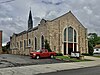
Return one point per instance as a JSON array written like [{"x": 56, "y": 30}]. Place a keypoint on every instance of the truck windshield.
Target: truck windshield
[{"x": 37, "y": 50}]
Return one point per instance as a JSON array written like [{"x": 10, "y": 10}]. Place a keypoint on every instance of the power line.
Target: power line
[{"x": 7, "y": 1}]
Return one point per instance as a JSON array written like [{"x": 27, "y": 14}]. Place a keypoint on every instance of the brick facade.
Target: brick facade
[{"x": 0, "y": 41}]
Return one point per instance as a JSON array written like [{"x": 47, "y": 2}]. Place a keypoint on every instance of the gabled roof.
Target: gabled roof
[
  {"x": 24, "y": 32},
  {"x": 97, "y": 46},
  {"x": 61, "y": 16},
  {"x": 67, "y": 14}
]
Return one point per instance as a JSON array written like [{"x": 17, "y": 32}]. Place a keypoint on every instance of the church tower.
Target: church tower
[{"x": 30, "y": 21}]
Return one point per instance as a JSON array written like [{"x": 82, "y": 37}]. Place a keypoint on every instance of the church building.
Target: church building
[{"x": 65, "y": 34}]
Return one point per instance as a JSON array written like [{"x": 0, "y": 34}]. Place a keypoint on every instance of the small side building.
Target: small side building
[{"x": 97, "y": 49}]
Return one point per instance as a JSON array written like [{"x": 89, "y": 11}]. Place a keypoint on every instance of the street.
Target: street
[
  {"x": 83, "y": 71},
  {"x": 9, "y": 60}
]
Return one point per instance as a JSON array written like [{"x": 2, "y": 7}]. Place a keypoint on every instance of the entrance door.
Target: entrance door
[
  {"x": 75, "y": 47},
  {"x": 70, "y": 48},
  {"x": 64, "y": 48}
]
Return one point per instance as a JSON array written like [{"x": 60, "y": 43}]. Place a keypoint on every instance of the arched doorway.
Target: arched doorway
[{"x": 70, "y": 40}]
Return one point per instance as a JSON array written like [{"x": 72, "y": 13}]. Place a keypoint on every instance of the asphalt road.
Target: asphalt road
[
  {"x": 9, "y": 60},
  {"x": 83, "y": 71}
]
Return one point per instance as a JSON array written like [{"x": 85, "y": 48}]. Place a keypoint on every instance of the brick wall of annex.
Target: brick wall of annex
[{"x": 0, "y": 41}]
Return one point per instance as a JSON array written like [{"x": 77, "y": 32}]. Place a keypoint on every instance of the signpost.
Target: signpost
[{"x": 75, "y": 54}]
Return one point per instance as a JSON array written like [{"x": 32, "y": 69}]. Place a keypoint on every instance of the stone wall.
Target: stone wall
[
  {"x": 56, "y": 30},
  {"x": 53, "y": 32}
]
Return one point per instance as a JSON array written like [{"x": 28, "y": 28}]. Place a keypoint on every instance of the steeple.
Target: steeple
[{"x": 30, "y": 21}]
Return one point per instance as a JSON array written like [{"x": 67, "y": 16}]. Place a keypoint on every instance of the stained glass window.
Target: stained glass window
[
  {"x": 75, "y": 36},
  {"x": 65, "y": 35},
  {"x": 70, "y": 34}
]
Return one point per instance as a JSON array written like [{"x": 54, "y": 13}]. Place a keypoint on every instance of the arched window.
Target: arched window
[
  {"x": 29, "y": 41},
  {"x": 75, "y": 36},
  {"x": 24, "y": 43},
  {"x": 70, "y": 40},
  {"x": 21, "y": 44},
  {"x": 65, "y": 35},
  {"x": 42, "y": 41},
  {"x": 17, "y": 45},
  {"x": 70, "y": 34},
  {"x": 35, "y": 43}
]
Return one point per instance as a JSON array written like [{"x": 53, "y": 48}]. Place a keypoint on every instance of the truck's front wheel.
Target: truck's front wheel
[
  {"x": 37, "y": 57},
  {"x": 51, "y": 56}
]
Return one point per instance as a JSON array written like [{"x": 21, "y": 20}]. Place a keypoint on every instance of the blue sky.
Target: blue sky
[{"x": 14, "y": 13}]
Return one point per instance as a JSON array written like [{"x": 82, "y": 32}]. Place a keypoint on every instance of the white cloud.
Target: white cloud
[
  {"x": 14, "y": 15},
  {"x": 87, "y": 10}
]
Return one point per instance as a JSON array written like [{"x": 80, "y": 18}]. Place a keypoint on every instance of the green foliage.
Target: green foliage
[
  {"x": 90, "y": 47},
  {"x": 68, "y": 59},
  {"x": 98, "y": 40},
  {"x": 6, "y": 47},
  {"x": 59, "y": 54},
  {"x": 92, "y": 41},
  {"x": 86, "y": 54},
  {"x": 47, "y": 46}
]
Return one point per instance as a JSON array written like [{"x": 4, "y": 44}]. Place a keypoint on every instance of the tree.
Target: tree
[
  {"x": 98, "y": 42},
  {"x": 93, "y": 40},
  {"x": 90, "y": 47},
  {"x": 6, "y": 48},
  {"x": 47, "y": 46},
  {"x": 8, "y": 45}
]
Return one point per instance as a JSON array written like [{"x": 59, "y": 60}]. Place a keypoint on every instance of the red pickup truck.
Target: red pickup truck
[{"x": 42, "y": 53}]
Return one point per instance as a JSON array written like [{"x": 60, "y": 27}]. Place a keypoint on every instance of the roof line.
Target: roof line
[
  {"x": 66, "y": 14},
  {"x": 59, "y": 16}
]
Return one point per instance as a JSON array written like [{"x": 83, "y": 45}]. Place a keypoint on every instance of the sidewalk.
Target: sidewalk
[{"x": 36, "y": 69}]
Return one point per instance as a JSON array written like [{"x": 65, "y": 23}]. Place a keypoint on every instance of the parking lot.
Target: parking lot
[{"x": 9, "y": 60}]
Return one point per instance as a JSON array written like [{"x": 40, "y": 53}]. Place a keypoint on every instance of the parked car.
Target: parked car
[
  {"x": 43, "y": 53},
  {"x": 96, "y": 51}
]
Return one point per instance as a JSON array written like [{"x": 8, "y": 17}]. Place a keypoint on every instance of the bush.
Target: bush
[
  {"x": 59, "y": 54},
  {"x": 90, "y": 46},
  {"x": 86, "y": 54},
  {"x": 47, "y": 46}
]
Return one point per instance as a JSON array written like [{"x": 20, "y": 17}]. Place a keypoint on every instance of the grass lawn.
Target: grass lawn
[
  {"x": 67, "y": 58},
  {"x": 97, "y": 56}
]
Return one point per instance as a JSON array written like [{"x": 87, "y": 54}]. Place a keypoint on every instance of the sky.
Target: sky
[{"x": 14, "y": 14}]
